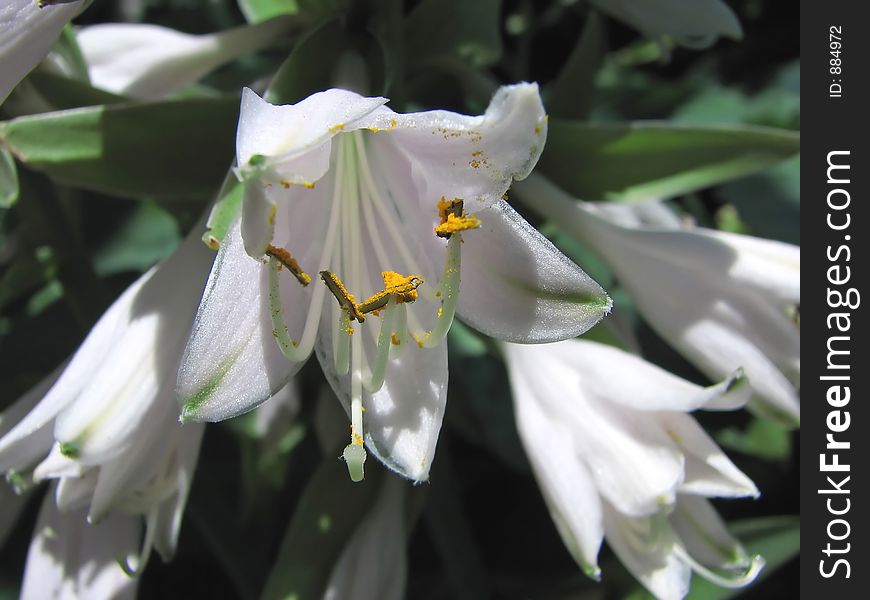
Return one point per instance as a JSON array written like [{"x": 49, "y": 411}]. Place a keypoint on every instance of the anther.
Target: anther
[
  {"x": 283, "y": 257},
  {"x": 345, "y": 299},
  {"x": 452, "y": 218},
  {"x": 404, "y": 289}
]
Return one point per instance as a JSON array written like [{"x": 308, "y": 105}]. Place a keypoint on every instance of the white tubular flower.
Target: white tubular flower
[
  {"x": 373, "y": 564},
  {"x": 71, "y": 558},
  {"x": 616, "y": 456},
  {"x": 723, "y": 300},
  {"x": 109, "y": 424},
  {"x": 28, "y": 30},
  {"x": 695, "y": 24},
  {"x": 380, "y": 208},
  {"x": 149, "y": 61}
]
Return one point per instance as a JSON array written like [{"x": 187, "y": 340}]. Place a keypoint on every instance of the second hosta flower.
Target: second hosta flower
[{"x": 357, "y": 225}]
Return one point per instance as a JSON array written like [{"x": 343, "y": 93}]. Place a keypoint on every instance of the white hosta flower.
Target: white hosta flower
[
  {"x": 695, "y": 24},
  {"x": 149, "y": 61},
  {"x": 109, "y": 424},
  {"x": 616, "y": 455},
  {"x": 379, "y": 208},
  {"x": 28, "y": 30},
  {"x": 71, "y": 558},
  {"x": 723, "y": 300},
  {"x": 373, "y": 564}
]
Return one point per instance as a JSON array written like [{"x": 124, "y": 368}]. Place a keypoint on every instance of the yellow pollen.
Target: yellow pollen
[
  {"x": 283, "y": 257},
  {"x": 308, "y": 184},
  {"x": 395, "y": 340},
  {"x": 537, "y": 129},
  {"x": 393, "y": 124},
  {"x": 345, "y": 299},
  {"x": 404, "y": 289},
  {"x": 357, "y": 439},
  {"x": 286, "y": 184},
  {"x": 454, "y": 224},
  {"x": 440, "y": 312},
  {"x": 336, "y": 128}
]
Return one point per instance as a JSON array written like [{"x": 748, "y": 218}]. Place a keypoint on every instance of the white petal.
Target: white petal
[
  {"x": 74, "y": 492},
  {"x": 373, "y": 564},
  {"x": 633, "y": 382},
  {"x": 232, "y": 362},
  {"x": 704, "y": 535},
  {"x": 287, "y": 132},
  {"x": 708, "y": 471},
  {"x": 693, "y": 24},
  {"x": 402, "y": 420},
  {"x": 568, "y": 488},
  {"x": 27, "y": 33},
  {"x": 635, "y": 465},
  {"x": 32, "y": 436},
  {"x": 473, "y": 158},
  {"x": 518, "y": 287},
  {"x": 148, "y": 61},
  {"x": 138, "y": 373},
  {"x": 646, "y": 546},
  {"x": 70, "y": 559},
  {"x": 258, "y": 217}
]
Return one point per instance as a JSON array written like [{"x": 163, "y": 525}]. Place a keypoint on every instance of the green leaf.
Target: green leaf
[
  {"x": 165, "y": 149},
  {"x": 763, "y": 438},
  {"x": 60, "y": 92},
  {"x": 656, "y": 159},
  {"x": 454, "y": 28},
  {"x": 8, "y": 179},
  {"x": 148, "y": 236},
  {"x": 315, "y": 62},
  {"x": 328, "y": 513},
  {"x": 569, "y": 95},
  {"x": 257, "y": 11}
]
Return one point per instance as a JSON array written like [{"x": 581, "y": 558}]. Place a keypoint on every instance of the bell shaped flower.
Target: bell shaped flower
[
  {"x": 28, "y": 30},
  {"x": 107, "y": 428},
  {"x": 617, "y": 456},
  {"x": 71, "y": 558},
  {"x": 696, "y": 24},
  {"x": 148, "y": 61},
  {"x": 721, "y": 299},
  {"x": 356, "y": 227}
]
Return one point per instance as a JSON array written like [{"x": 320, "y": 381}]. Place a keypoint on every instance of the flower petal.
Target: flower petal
[
  {"x": 473, "y": 158},
  {"x": 633, "y": 382},
  {"x": 24, "y": 439},
  {"x": 286, "y": 132},
  {"x": 68, "y": 558},
  {"x": 232, "y": 363},
  {"x": 258, "y": 217},
  {"x": 402, "y": 420},
  {"x": 635, "y": 465},
  {"x": 568, "y": 488},
  {"x": 148, "y": 61},
  {"x": 518, "y": 287},
  {"x": 709, "y": 472},
  {"x": 646, "y": 546},
  {"x": 705, "y": 536},
  {"x": 27, "y": 33}
]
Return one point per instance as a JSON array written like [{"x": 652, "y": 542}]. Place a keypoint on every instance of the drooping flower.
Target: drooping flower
[
  {"x": 107, "y": 429},
  {"x": 617, "y": 456},
  {"x": 694, "y": 24},
  {"x": 72, "y": 558},
  {"x": 356, "y": 223},
  {"x": 723, "y": 300},
  {"x": 28, "y": 29},
  {"x": 148, "y": 61}
]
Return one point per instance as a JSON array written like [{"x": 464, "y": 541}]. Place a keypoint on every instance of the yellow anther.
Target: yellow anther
[
  {"x": 452, "y": 218},
  {"x": 395, "y": 340},
  {"x": 403, "y": 289},
  {"x": 283, "y": 257},
  {"x": 454, "y": 224},
  {"x": 336, "y": 128},
  {"x": 345, "y": 299}
]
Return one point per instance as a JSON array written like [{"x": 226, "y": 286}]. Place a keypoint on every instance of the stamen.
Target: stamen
[
  {"x": 452, "y": 219},
  {"x": 145, "y": 551},
  {"x": 404, "y": 289},
  {"x": 386, "y": 338},
  {"x": 345, "y": 299},
  {"x": 283, "y": 257}
]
